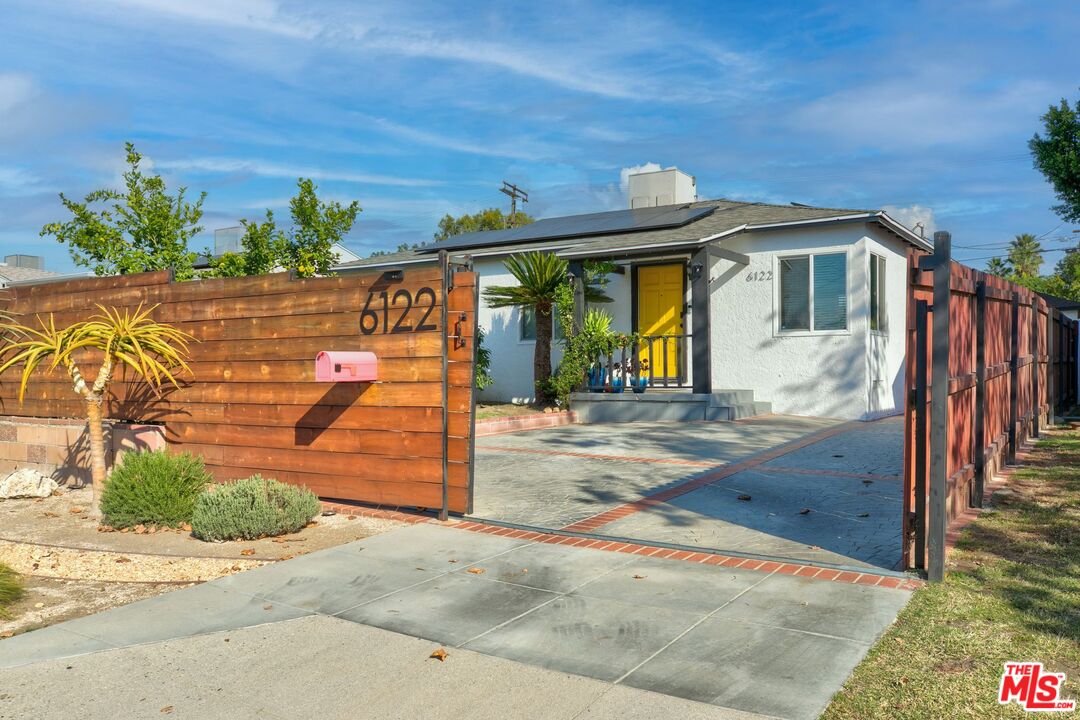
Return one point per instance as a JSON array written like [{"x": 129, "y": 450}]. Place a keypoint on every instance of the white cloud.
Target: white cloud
[
  {"x": 926, "y": 109},
  {"x": 269, "y": 169},
  {"x": 912, "y": 215},
  {"x": 260, "y": 15},
  {"x": 15, "y": 89},
  {"x": 523, "y": 149},
  {"x": 13, "y": 178}
]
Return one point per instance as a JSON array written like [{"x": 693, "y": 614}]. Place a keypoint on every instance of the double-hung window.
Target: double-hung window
[
  {"x": 813, "y": 293},
  {"x": 528, "y": 325},
  {"x": 877, "y": 294}
]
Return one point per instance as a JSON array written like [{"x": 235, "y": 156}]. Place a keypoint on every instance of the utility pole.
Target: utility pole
[{"x": 514, "y": 192}]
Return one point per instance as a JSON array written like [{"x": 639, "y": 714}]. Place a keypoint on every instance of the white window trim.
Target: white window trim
[
  {"x": 810, "y": 253},
  {"x": 883, "y": 303}
]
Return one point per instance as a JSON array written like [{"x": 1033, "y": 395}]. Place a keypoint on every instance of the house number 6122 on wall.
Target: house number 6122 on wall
[
  {"x": 377, "y": 319},
  {"x": 759, "y": 276}
]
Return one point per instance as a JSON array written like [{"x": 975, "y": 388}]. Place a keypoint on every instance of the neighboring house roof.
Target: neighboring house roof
[
  {"x": 1060, "y": 303},
  {"x": 709, "y": 220},
  {"x": 13, "y": 274},
  {"x": 345, "y": 255}
]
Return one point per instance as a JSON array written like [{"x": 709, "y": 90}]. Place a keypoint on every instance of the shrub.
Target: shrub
[
  {"x": 10, "y": 589},
  {"x": 153, "y": 488},
  {"x": 252, "y": 508}
]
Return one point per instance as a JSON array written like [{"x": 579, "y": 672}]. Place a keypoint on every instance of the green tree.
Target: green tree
[
  {"x": 262, "y": 243},
  {"x": 490, "y": 219},
  {"x": 137, "y": 229},
  {"x": 997, "y": 266},
  {"x": 1024, "y": 256},
  {"x": 539, "y": 276},
  {"x": 1057, "y": 156},
  {"x": 307, "y": 247}
]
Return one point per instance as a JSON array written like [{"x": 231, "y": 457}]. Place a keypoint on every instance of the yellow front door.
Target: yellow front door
[{"x": 660, "y": 298}]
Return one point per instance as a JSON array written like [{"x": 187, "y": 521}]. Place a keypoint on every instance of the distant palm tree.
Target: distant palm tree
[
  {"x": 1025, "y": 255},
  {"x": 998, "y": 267},
  {"x": 538, "y": 275}
]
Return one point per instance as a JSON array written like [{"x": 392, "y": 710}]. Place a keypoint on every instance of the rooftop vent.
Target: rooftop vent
[
  {"x": 25, "y": 261},
  {"x": 228, "y": 240},
  {"x": 661, "y": 187}
]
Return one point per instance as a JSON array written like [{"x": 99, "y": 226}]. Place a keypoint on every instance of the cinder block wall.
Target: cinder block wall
[{"x": 60, "y": 448}]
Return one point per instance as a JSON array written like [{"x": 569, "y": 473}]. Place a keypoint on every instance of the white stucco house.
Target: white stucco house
[{"x": 753, "y": 305}]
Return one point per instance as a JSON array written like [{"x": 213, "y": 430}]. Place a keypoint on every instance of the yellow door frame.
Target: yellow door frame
[{"x": 676, "y": 354}]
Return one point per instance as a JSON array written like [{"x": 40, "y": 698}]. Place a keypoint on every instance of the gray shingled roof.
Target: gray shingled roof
[
  {"x": 13, "y": 273},
  {"x": 728, "y": 215}
]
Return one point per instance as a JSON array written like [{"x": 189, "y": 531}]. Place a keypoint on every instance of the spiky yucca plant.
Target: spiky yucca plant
[{"x": 154, "y": 351}]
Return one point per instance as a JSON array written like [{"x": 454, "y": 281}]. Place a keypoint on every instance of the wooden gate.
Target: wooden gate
[
  {"x": 1008, "y": 362},
  {"x": 252, "y": 404}
]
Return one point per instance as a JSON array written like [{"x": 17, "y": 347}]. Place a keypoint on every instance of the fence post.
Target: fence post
[
  {"x": 922, "y": 310},
  {"x": 1051, "y": 365},
  {"x": 1014, "y": 376},
  {"x": 1036, "y": 401},
  {"x": 979, "y": 485},
  {"x": 939, "y": 407}
]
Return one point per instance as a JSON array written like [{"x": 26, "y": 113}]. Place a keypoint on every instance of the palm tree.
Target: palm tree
[
  {"x": 153, "y": 350},
  {"x": 539, "y": 275},
  {"x": 997, "y": 266},
  {"x": 1025, "y": 255}
]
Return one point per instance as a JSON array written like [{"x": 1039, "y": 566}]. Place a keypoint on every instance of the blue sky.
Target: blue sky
[{"x": 419, "y": 109}]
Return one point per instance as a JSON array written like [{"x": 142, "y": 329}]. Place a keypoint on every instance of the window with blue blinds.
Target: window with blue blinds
[
  {"x": 830, "y": 292},
  {"x": 794, "y": 293},
  {"x": 813, "y": 293}
]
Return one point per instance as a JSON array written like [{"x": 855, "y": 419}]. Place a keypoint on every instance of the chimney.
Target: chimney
[
  {"x": 670, "y": 186},
  {"x": 228, "y": 240},
  {"x": 25, "y": 261}
]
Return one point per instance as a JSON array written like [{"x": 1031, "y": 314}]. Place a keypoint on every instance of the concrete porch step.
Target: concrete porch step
[{"x": 652, "y": 406}]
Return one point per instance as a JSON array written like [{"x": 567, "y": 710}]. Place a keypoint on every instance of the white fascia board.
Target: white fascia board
[
  {"x": 881, "y": 218},
  {"x": 904, "y": 232},
  {"x": 383, "y": 264}
]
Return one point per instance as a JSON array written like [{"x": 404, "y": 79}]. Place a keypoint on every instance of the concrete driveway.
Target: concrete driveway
[
  {"x": 532, "y": 629},
  {"x": 807, "y": 489}
]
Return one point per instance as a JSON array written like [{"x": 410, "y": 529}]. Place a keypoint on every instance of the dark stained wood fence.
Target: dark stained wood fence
[
  {"x": 252, "y": 404},
  {"x": 1010, "y": 362}
]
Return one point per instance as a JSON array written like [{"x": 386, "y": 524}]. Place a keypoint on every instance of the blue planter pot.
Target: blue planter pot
[
  {"x": 639, "y": 384},
  {"x": 596, "y": 379},
  {"x": 617, "y": 385}
]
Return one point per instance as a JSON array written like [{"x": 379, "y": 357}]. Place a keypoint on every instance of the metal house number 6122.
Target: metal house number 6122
[{"x": 374, "y": 320}]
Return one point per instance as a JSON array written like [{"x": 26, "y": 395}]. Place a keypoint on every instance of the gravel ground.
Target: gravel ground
[
  {"x": 71, "y": 568},
  {"x": 65, "y": 520}
]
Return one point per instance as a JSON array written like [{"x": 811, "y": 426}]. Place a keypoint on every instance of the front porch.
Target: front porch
[{"x": 661, "y": 366}]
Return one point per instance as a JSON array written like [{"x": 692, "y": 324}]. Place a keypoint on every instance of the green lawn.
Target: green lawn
[
  {"x": 10, "y": 589},
  {"x": 1012, "y": 593}
]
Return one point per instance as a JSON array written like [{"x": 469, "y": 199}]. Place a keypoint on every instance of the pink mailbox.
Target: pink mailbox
[{"x": 334, "y": 366}]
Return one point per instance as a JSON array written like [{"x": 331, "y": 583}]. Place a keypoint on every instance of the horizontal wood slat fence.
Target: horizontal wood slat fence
[
  {"x": 1011, "y": 363},
  {"x": 252, "y": 404}
]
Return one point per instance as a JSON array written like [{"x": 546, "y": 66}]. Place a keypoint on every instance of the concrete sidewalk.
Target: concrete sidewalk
[
  {"x": 318, "y": 667},
  {"x": 776, "y": 645}
]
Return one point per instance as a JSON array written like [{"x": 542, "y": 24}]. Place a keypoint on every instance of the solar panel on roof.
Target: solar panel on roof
[{"x": 603, "y": 223}]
